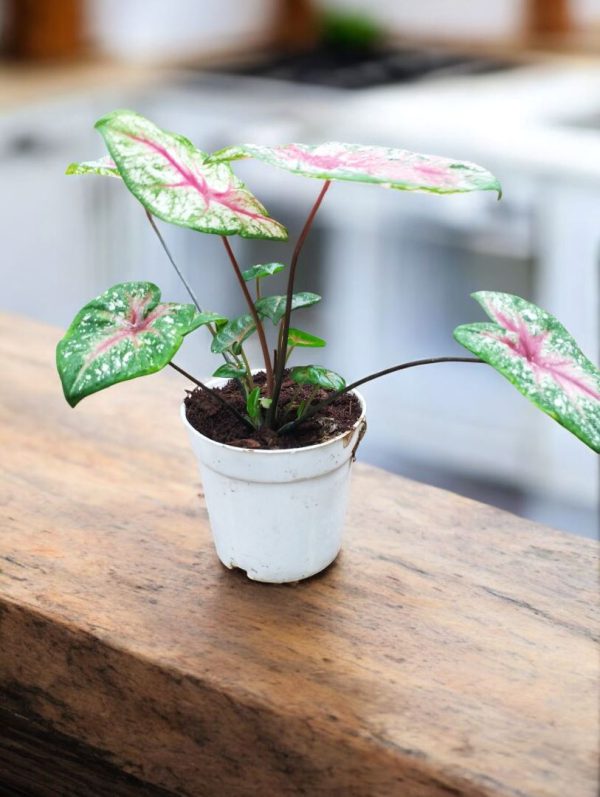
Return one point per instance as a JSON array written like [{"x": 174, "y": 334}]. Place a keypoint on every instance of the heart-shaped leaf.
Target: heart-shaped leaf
[
  {"x": 120, "y": 335},
  {"x": 536, "y": 353},
  {"x": 105, "y": 166},
  {"x": 262, "y": 270},
  {"x": 391, "y": 168},
  {"x": 317, "y": 375},
  {"x": 296, "y": 337},
  {"x": 230, "y": 371},
  {"x": 273, "y": 307},
  {"x": 233, "y": 332},
  {"x": 174, "y": 181}
]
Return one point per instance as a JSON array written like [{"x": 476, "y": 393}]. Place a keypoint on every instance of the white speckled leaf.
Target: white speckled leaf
[
  {"x": 105, "y": 166},
  {"x": 317, "y": 375},
  {"x": 391, "y": 168},
  {"x": 120, "y": 335},
  {"x": 173, "y": 180},
  {"x": 273, "y": 307},
  {"x": 536, "y": 353}
]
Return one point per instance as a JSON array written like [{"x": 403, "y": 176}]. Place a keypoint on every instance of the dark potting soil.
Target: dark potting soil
[{"x": 213, "y": 420}]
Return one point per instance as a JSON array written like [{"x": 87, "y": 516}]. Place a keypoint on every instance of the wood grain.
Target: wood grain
[{"x": 451, "y": 650}]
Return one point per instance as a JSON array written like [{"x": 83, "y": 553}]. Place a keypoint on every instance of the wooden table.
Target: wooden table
[{"x": 450, "y": 651}]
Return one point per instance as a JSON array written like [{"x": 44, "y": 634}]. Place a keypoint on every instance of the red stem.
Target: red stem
[
  {"x": 403, "y": 366},
  {"x": 285, "y": 327},
  {"x": 259, "y": 327}
]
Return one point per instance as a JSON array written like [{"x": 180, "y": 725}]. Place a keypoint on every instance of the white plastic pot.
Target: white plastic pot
[{"x": 277, "y": 514}]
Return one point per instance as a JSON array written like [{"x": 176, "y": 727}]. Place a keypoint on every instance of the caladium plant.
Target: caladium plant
[{"x": 127, "y": 332}]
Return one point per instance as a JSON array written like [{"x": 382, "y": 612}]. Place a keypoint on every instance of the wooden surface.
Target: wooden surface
[{"x": 451, "y": 650}]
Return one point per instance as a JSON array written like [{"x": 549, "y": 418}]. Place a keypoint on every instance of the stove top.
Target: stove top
[{"x": 362, "y": 69}]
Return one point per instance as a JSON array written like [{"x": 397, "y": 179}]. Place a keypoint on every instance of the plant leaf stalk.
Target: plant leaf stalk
[
  {"x": 226, "y": 356},
  {"x": 285, "y": 324},
  {"x": 288, "y": 427},
  {"x": 175, "y": 266},
  {"x": 212, "y": 393},
  {"x": 259, "y": 326}
]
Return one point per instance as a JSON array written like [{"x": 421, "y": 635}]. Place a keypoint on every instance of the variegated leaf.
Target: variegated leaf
[
  {"x": 391, "y": 168},
  {"x": 536, "y": 353},
  {"x": 175, "y": 182},
  {"x": 262, "y": 270},
  {"x": 122, "y": 334},
  {"x": 233, "y": 332},
  {"x": 319, "y": 376},
  {"x": 105, "y": 166},
  {"x": 273, "y": 307}
]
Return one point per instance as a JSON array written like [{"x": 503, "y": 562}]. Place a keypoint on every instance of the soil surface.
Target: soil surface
[{"x": 213, "y": 420}]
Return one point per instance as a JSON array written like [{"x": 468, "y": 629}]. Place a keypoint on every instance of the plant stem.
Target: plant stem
[
  {"x": 228, "y": 358},
  {"x": 217, "y": 397},
  {"x": 259, "y": 327},
  {"x": 175, "y": 266},
  {"x": 285, "y": 324},
  {"x": 288, "y": 427},
  {"x": 247, "y": 367}
]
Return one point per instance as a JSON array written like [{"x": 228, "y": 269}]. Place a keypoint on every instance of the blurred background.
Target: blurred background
[{"x": 511, "y": 84}]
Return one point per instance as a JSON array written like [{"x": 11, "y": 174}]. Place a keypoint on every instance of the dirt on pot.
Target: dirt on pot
[{"x": 213, "y": 420}]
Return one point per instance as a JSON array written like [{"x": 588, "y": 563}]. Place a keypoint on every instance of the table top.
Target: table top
[{"x": 451, "y": 650}]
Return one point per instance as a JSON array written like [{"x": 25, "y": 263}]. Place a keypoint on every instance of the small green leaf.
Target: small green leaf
[
  {"x": 105, "y": 166},
  {"x": 230, "y": 371},
  {"x": 122, "y": 334},
  {"x": 317, "y": 375},
  {"x": 266, "y": 403},
  {"x": 273, "y": 307},
  {"x": 262, "y": 270},
  {"x": 233, "y": 332},
  {"x": 253, "y": 404},
  {"x": 296, "y": 337}
]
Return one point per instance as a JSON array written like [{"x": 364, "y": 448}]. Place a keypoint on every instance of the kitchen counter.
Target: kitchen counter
[{"x": 452, "y": 649}]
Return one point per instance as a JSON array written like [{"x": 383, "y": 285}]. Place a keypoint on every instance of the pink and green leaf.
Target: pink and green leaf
[
  {"x": 104, "y": 166},
  {"x": 175, "y": 181},
  {"x": 535, "y": 352},
  {"x": 386, "y": 166},
  {"x": 122, "y": 334}
]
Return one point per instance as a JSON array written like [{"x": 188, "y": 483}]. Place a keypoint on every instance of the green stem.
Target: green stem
[
  {"x": 175, "y": 266},
  {"x": 228, "y": 358},
  {"x": 288, "y": 427},
  {"x": 247, "y": 367},
  {"x": 259, "y": 327},
  {"x": 285, "y": 324}
]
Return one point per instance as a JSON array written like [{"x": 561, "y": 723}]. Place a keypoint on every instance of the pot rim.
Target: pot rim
[{"x": 273, "y": 451}]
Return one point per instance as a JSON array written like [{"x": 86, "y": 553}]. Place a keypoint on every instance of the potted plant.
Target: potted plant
[{"x": 275, "y": 444}]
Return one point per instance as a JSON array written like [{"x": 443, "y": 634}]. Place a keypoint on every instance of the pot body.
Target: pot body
[{"x": 277, "y": 514}]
